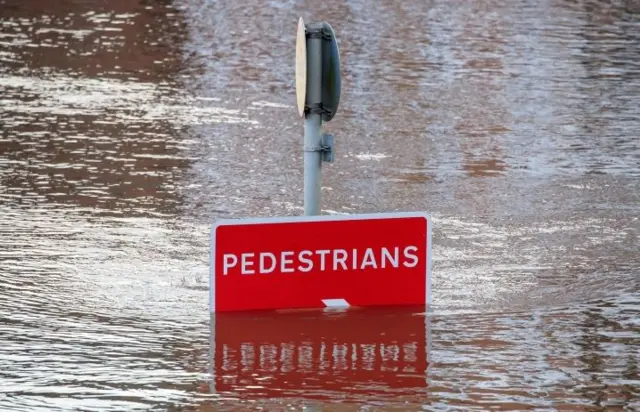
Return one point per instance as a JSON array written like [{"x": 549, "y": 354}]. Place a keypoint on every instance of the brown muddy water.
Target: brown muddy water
[{"x": 128, "y": 127}]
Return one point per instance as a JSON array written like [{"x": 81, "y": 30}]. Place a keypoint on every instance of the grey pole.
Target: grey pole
[{"x": 312, "y": 127}]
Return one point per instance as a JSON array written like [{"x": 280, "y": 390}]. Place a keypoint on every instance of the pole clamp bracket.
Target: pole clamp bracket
[
  {"x": 316, "y": 108},
  {"x": 318, "y": 32},
  {"x": 326, "y": 148}
]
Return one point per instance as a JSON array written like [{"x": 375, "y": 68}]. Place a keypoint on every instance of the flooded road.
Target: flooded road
[{"x": 129, "y": 127}]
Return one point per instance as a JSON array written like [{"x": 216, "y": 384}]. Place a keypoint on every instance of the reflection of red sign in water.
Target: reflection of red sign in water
[
  {"x": 320, "y": 261},
  {"x": 364, "y": 351}
]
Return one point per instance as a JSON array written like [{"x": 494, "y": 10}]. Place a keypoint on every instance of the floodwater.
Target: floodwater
[{"x": 129, "y": 127}]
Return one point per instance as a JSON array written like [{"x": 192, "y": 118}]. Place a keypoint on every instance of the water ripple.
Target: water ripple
[{"x": 129, "y": 127}]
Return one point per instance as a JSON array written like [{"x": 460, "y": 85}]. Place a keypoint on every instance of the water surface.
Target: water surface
[{"x": 129, "y": 127}]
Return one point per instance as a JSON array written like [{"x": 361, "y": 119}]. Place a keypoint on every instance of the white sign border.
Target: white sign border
[{"x": 318, "y": 218}]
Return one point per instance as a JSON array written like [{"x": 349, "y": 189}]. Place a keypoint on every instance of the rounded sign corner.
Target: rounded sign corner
[
  {"x": 426, "y": 216},
  {"x": 219, "y": 223},
  {"x": 216, "y": 224}
]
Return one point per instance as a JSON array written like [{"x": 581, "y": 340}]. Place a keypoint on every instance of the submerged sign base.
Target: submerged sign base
[{"x": 363, "y": 260}]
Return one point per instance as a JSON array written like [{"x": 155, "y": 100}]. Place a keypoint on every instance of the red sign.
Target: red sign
[
  {"x": 320, "y": 261},
  {"x": 373, "y": 351}
]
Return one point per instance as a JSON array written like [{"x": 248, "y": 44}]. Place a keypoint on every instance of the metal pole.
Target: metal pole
[{"x": 312, "y": 127}]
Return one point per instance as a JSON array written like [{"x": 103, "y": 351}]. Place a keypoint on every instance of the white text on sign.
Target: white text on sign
[{"x": 324, "y": 260}]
